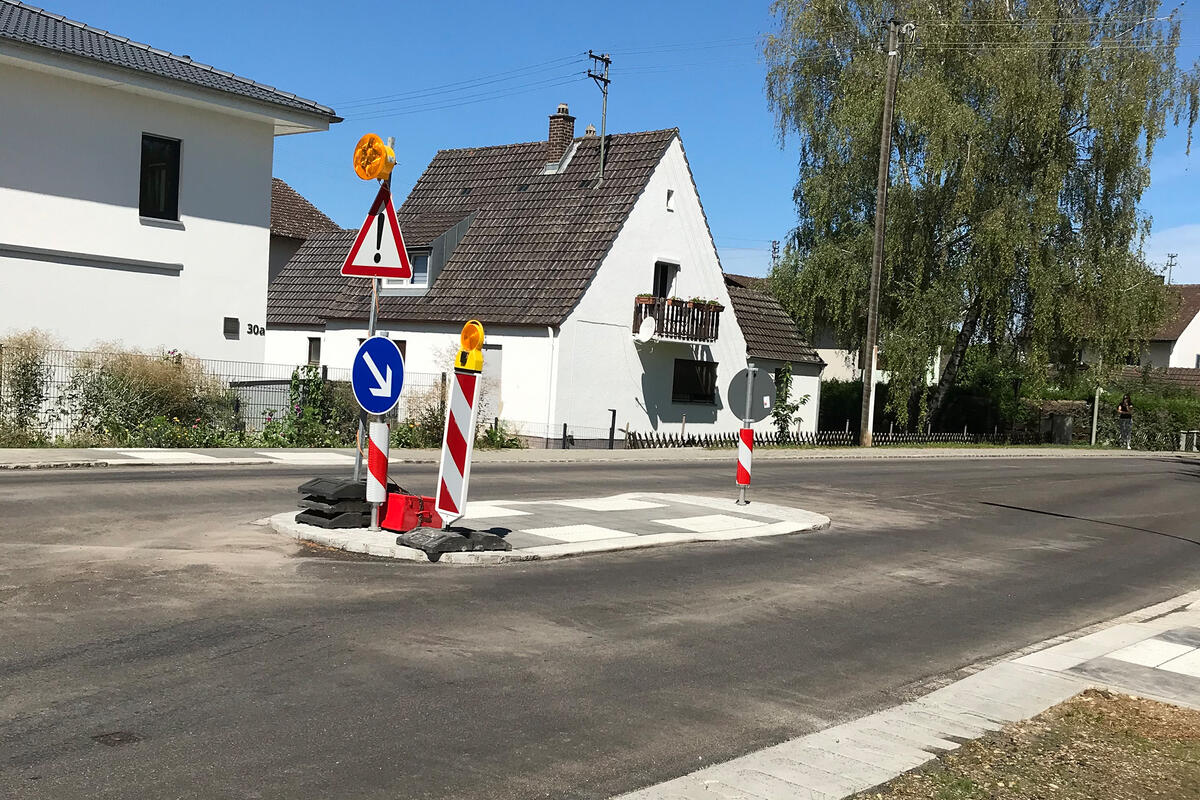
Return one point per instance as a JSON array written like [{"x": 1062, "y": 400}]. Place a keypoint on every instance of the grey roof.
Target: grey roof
[
  {"x": 529, "y": 254},
  {"x": 293, "y": 216},
  {"x": 311, "y": 281},
  {"x": 1189, "y": 307},
  {"x": 770, "y": 332},
  {"x": 33, "y": 26}
]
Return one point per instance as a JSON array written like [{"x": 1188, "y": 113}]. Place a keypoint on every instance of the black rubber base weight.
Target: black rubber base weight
[{"x": 435, "y": 541}]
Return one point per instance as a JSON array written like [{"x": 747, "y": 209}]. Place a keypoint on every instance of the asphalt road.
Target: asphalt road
[{"x": 228, "y": 663}]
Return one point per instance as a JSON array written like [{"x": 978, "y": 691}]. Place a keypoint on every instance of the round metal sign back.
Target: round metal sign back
[{"x": 762, "y": 395}]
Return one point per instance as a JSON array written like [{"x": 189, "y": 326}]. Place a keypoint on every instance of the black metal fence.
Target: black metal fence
[{"x": 641, "y": 441}]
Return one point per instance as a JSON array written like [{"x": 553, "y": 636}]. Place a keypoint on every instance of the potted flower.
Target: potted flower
[
  {"x": 644, "y": 299},
  {"x": 674, "y": 301}
]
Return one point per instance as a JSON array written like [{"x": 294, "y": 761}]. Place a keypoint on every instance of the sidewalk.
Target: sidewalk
[
  {"x": 62, "y": 458},
  {"x": 1154, "y": 653}
]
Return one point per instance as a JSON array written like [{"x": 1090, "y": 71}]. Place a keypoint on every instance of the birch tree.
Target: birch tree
[{"x": 1024, "y": 134}]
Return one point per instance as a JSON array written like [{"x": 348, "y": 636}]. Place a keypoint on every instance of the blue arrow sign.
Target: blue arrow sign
[{"x": 377, "y": 375}]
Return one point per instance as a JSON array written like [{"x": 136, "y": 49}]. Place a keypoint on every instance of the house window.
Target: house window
[
  {"x": 670, "y": 199},
  {"x": 232, "y": 329},
  {"x": 694, "y": 382},
  {"x": 420, "y": 274},
  {"x": 664, "y": 278},
  {"x": 314, "y": 350},
  {"x": 420, "y": 269},
  {"x": 1198, "y": 361},
  {"x": 159, "y": 195}
]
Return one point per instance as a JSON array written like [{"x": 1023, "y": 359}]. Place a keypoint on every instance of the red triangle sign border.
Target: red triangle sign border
[{"x": 367, "y": 269}]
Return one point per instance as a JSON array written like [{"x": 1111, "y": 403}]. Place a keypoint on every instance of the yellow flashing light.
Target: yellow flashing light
[
  {"x": 372, "y": 158},
  {"x": 470, "y": 356}
]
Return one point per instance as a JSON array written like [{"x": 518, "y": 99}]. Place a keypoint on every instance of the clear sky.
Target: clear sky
[{"x": 472, "y": 73}]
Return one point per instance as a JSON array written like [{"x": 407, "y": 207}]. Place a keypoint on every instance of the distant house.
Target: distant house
[
  {"x": 135, "y": 190},
  {"x": 293, "y": 220},
  {"x": 565, "y": 269},
  {"x": 1177, "y": 343}
]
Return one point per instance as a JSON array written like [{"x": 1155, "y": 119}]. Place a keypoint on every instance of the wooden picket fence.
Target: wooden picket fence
[{"x": 646, "y": 441}]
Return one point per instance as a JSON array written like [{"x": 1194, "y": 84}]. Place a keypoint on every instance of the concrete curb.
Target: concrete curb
[
  {"x": 856, "y": 756},
  {"x": 382, "y": 544}
]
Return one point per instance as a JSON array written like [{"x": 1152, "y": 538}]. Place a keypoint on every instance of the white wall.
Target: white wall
[
  {"x": 600, "y": 365},
  {"x": 70, "y": 154},
  {"x": 1187, "y": 347}
]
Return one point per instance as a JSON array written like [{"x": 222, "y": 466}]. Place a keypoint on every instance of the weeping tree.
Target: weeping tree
[{"x": 1023, "y": 138}]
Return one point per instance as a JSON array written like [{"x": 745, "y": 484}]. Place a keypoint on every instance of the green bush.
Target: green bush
[
  {"x": 1157, "y": 419},
  {"x": 131, "y": 399},
  {"x": 426, "y": 420},
  {"x": 320, "y": 413},
  {"x": 24, "y": 378}
]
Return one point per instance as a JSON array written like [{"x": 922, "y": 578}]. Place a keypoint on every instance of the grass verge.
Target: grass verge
[{"x": 1095, "y": 745}]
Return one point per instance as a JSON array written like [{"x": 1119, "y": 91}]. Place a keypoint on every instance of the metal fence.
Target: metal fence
[
  {"x": 639, "y": 441},
  {"x": 49, "y": 389}
]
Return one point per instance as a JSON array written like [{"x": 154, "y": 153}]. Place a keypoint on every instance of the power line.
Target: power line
[
  {"x": 465, "y": 101},
  {"x": 468, "y": 83},
  {"x": 471, "y": 93}
]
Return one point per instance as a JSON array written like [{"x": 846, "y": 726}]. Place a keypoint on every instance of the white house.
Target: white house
[
  {"x": 1177, "y": 343},
  {"x": 562, "y": 266},
  {"x": 135, "y": 190}
]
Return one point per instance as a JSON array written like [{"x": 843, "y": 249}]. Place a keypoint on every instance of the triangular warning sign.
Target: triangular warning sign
[{"x": 378, "y": 251}]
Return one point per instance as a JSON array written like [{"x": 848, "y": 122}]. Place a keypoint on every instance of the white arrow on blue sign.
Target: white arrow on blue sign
[{"x": 377, "y": 375}]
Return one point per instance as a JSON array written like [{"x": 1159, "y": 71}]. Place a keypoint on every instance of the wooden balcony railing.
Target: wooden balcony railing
[{"x": 678, "y": 319}]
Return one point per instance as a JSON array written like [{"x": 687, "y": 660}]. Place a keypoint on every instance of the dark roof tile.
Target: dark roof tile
[
  {"x": 33, "y": 26},
  {"x": 770, "y": 333},
  {"x": 292, "y": 215},
  {"x": 1189, "y": 307}
]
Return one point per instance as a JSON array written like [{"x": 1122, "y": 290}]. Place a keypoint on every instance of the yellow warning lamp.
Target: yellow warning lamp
[
  {"x": 372, "y": 158},
  {"x": 470, "y": 356}
]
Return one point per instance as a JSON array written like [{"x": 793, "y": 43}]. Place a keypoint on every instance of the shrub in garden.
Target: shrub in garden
[
  {"x": 24, "y": 385},
  {"x": 320, "y": 413},
  {"x": 132, "y": 399}
]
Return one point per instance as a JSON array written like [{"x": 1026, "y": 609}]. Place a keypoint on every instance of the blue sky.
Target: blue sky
[{"x": 693, "y": 66}]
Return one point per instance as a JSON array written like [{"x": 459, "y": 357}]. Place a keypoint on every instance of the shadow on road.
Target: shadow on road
[{"x": 1095, "y": 521}]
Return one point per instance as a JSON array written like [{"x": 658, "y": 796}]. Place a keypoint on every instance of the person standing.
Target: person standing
[{"x": 1125, "y": 412}]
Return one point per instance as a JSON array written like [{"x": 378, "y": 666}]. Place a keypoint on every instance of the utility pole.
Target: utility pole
[
  {"x": 1170, "y": 265},
  {"x": 602, "y": 81},
  {"x": 881, "y": 187},
  {"x": 774, "y": 252}
]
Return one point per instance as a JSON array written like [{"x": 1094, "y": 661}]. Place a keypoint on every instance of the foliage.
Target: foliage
[
  {"x": 24, "y": 377},
  {"x": 320, "y": 413},
  {"x": 131, "y": 399},
  {"x": 1024, "y": 133},
  {"x": 498, "y": 437},
  {"x": 426, "y": 420},
  {"x": 785, "y": 412}
]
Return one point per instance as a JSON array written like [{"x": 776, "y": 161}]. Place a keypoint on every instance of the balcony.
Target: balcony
[{"x": 678, "y": 320}]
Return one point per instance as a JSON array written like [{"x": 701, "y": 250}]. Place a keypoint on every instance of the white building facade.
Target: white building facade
[
  {"x": 134, "y": 203},
  {"x": 561, "y": 345}
]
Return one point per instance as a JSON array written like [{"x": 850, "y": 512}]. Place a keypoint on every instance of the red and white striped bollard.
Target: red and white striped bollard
[
  {"x": 745, "y": 456},
  {"x": 377, "y": 469}
]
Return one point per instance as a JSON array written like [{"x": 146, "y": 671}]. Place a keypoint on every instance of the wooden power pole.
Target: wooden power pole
[{"x": 881, "y": 187}]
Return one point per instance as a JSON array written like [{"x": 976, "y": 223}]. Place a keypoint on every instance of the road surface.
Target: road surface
[{"x": 215, "y": 659}]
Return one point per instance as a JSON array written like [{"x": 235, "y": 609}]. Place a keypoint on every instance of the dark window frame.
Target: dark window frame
[
  {"x": 694, "y": 382},
  {"x": 314, "y": 340},
  {"x": 166, "y": 173}
]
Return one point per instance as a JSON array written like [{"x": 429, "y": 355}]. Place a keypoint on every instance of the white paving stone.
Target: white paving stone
[
  {"x": 579, "y": 533},
  {"x": 1073, "y": 653},
  {"x": 173, "y": 456},
  {"x": 619, "y": 503},
  {"x": 711, "y": 523},
  {"x": 1186, "y": 664},
  {"x": 1151, "y": 652},
  {"x": 491, "y": 511}
]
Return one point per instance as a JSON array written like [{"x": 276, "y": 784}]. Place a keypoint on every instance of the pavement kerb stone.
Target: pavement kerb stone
[
  {"x": 382, "y": 543},
  {"x": 874, "y": 749}
]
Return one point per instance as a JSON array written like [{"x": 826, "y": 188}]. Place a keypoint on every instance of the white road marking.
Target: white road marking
[
  {"x": 619, "y": 503},
  {"x": 491, "y": 511},
  {"x": 1186, "y": 664},
  {"x": 179, "y": 456},
  {"x": 315, "y": 459}
]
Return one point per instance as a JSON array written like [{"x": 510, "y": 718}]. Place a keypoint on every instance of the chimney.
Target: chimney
[
  {"x": 590, "y": 130},
  {"x": 562, "y": 133}
]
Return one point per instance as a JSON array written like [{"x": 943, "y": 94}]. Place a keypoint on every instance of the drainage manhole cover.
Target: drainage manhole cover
[{"x": 117, "y": 738}]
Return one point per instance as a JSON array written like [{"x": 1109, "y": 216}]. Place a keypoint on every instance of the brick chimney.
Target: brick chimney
[{"x": 562, "y": 133}]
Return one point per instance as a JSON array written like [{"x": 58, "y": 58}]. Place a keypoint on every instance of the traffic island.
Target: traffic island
[{"x": 539, "y": 530}]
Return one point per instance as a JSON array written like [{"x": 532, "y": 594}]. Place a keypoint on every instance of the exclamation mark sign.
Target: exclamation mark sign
[{"x": 378, "y": 237}]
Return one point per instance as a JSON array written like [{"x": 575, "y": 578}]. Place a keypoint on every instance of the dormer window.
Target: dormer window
[{"x": 419, "y": 261}]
